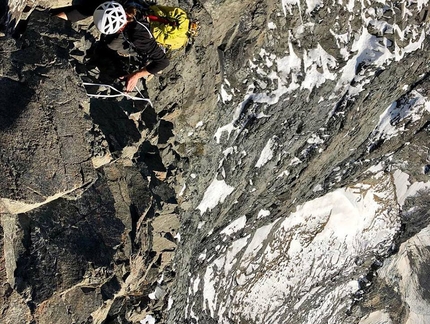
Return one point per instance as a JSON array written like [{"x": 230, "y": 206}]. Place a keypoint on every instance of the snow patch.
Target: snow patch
[
  {"x": 311, "y": 5},
  {"x": 378, "y": 317},
  {"x": 148, "y": 320},
  {"x": 368, "y": 50},
  {"x": 216, "y": 193},
  {"x": 282, "y": 260},
  {"x": 285, "y": 173},
  {"x": 271, "y": 25},
  {"x": 402, "y": 271},
  {"x": 404, "y": 188},
  {"x": 267, "y": 153},
  {"x": 263, "y": 213},
  {"x": 234, "y": 226},
  {"x": 411, "y": 107},
  {"x": 314, "y": 60}
]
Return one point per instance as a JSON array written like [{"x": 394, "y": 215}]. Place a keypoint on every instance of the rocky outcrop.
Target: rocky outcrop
[
  {"x": 279, "y": 175},
  {"x": 87, "y": 214}
]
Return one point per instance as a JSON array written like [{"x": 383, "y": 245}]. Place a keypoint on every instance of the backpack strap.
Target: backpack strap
[
  {"x": 144, "y": 26},
  {"x": 162, "y": 20}
]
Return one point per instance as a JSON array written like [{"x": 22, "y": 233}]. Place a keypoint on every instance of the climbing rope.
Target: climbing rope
[{"x": 118, "y": 94}]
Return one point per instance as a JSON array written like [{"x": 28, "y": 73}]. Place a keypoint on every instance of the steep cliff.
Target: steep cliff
[{"x": 281, "y": 174}]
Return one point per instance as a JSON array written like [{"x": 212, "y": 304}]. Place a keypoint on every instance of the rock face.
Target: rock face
[{"x": 279, "y": 176}]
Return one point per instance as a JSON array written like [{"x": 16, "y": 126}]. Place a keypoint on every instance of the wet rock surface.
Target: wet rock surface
[{"x": 232, "y": 182}]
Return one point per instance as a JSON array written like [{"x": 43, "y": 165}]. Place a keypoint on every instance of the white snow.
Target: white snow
[
  {"x": 317, "y": 66},
  {"x": 266, "y": 154},
  {"x": 169, "y": 303},
  {"x": 256, "y": 244},
  {"x": 226, "y": 128},
  {"x": 284, "y": 265},
  {"x": 271, "y": 25},
  {"x": 315, "y": 139},
  {"x": 232, "y": 251},
  {"x": 290, "y": 253},
  {"x": 216, "y": 193},
  {"x": 225, "y": 97},
  {"x": 284, "y": 173},
  {"x": 263, "y": 213},
  {"x": 368, "y": 49},
  {"x": 288, "y": 4},
  {"x": 311, "y": 5},
  {"x": 410, "y": 108},
  {"x": 196, "y": 285},
  {"x": 234, "y": 226},
  {"x": 317, "y": 188},
  {"x": 209, "y": 291},
  {"x": 148, "y": 320},
  {"x": 404, "y": 188},
  {"x": 314, "y": 60},
  {"x": 202, "y": 256},
  {"x": 157, "y": 293},
  {"x": 228, "y": 151},
  {"x": 401, "y": 271},
  {"x": 201, "y": 224},
  {"x": 411, "y": 47},
  {"x": 288, "y": 68},
  {"x": 376, "y": 168},
  {"x": 378, "y": 317},
  {"x": 295, "y": 161},
  {"x": 183, "y": 189}
]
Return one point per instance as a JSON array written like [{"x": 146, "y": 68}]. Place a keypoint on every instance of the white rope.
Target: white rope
[
  {"x": 114, "y": 95},
  {"x": 143, "y": 25}
]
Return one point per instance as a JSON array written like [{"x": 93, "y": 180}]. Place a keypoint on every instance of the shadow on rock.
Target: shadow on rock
[
  {"x": 106, "y": 63},
  {"x": 64, "y": 238},
  {"x": 416, "y": 215},
  {"x": 151, "y": 164},
  {"x": 118, "y": 129},
  {"x": 148, "y": 116},
  {"x": 14, "y": 98},
  {"x": 150, "y": 156}
]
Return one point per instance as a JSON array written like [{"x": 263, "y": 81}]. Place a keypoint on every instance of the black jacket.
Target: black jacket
[{"x": 139, "y": 35}]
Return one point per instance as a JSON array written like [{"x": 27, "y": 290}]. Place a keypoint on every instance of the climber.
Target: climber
[{"x": 127, "y": 35}]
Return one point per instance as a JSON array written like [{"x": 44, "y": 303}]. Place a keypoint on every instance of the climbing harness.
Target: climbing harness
[{"x": 118, "y": 94}]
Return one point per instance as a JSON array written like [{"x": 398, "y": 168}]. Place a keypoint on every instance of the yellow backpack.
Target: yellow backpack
[{"x": 171, "y": 26}]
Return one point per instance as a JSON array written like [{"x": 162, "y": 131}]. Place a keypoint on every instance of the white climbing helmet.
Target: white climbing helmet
[{"x": 109, "y": 17}]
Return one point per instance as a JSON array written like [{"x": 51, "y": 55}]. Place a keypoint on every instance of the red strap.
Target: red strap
[{"x": 161, "y": 20}]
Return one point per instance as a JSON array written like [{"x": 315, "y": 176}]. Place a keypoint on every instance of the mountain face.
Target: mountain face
[{"x": 280, "y": 173}]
